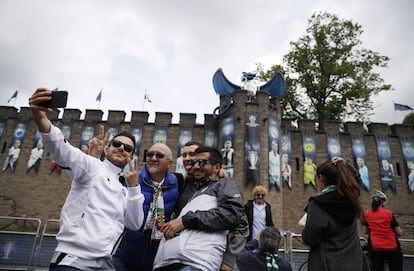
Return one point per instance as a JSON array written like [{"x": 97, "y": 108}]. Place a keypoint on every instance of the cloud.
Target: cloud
[{"x": 172, "y": 48}]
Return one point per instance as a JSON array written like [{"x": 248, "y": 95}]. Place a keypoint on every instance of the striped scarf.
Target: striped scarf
[
  {"x": 155, "y": 217},
  {"x": 271, "y": 264}
]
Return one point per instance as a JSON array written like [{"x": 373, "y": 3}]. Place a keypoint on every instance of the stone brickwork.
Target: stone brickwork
[{"x": 42, "y": 195}]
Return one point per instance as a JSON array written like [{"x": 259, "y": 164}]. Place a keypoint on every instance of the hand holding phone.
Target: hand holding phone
[{"x": 59, "y": 99}]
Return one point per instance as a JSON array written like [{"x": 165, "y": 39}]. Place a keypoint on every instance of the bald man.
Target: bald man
[{"x": 160, "y": 189}]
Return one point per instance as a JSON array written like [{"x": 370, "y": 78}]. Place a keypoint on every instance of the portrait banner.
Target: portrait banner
[
  {"x": 88, "y": 132},
  {"x": 227, "y": 152},
  {"x": 36, "y": 153},
  {"x": 160, "y": 134},
  {"x": 334, "y": 145},
  {"x": 252, "y": 148},
  {"x": 210, "y": 137},
  {"x": 407, "y": 147},
  {"x": 13, "y": 153},
  {"x": 2, "y": 126},
  {"x": 386, "y": 167},
  {"x": 185, "y": 135},
  {"x": 66, "y": 128},
  {"x": 274, "y": 156},
  {"x": 309, "y": 153},
  {"x": 136, "y": 131},
  {"x": 358, "y": 151},
  {"x": 286, "y": 154}
]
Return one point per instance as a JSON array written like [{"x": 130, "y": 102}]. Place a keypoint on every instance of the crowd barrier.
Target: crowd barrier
[{"x": 27, "y": 245}]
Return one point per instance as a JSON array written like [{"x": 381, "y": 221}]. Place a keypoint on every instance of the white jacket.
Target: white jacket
[{"x": 97, "y": 207}]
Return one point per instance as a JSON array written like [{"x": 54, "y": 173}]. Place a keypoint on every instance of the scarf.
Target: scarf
[
  {"x": 155, "y": 217},
  {"x": 271, "y": 264}
]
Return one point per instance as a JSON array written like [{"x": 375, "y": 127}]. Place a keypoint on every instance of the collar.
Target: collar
[
  {"x": 112, "y": 167},
  {"x": 329, "y": 189}
]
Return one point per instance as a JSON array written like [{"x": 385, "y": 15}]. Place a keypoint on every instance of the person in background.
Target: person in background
[
  {"x": 98, "y": 206},
  {"x": 383, "y": 231},
  {"x": 258, "y": 211},
  {"x": 331, "y": 225},
  {"x": 262, "y": 253}
]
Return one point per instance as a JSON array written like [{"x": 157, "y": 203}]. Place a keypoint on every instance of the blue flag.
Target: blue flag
[
  {"x": 402, "y": 107},
  {"x": 99, "y": 97}
]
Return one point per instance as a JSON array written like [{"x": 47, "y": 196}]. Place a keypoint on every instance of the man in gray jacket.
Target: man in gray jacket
[{"x": 197, "y": 238}]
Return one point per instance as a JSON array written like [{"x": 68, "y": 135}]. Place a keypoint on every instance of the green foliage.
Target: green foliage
[
  {"x": 327, "y": 67},
  {"x": 409, "y": 119}
]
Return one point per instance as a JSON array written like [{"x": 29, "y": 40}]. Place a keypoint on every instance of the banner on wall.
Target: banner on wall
[
  {"x": 358, "y": 151},
  {"x": 36, "y": 154},
  {"x": 136, "y": 131},
  {"x": 309, "y": 154},
  {"x": 384, "y": 159},
  {"x": 185, "y": 135},
  {"x": 227, "y": 152},
  {"x": 88, "y": 131},
  {"x": 14, "y": 150},
  {"x": 160, "y": 135},
  {"x": 286, "y": 154},
  {"x": 252, "y": 148},
  {"x": 334, "y": 145},
  {"x": 2, "y": 126},
  {"x": 274, "y": 156},
  {"x": 407, "y": 147},
  {"x": 66, "y": 129},
  {"x": 210, "y": 137}
]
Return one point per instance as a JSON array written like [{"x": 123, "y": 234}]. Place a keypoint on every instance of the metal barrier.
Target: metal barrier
[
  {"x": 18, "y": 237},
  {"x": 46, "y": 245}
]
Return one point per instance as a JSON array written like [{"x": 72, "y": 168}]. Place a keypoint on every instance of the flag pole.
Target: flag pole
[{"x": 145, "y": 97}]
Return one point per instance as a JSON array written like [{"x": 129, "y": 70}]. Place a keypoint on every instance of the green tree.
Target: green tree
[
  {"x": 409, "y": 119},
  {"x": 327, "y": 67}
]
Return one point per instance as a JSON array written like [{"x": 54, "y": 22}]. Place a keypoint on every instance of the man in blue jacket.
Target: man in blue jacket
[{"x": 160, "y": 189}]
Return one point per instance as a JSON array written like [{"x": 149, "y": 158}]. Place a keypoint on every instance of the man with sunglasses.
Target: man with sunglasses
[
  {"x": 160, "y": 189},
  {"x": 197, "y": 239},
  {"x": 97, "y": 207}
]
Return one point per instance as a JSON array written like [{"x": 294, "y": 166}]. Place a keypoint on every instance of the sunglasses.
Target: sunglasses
[
  {"x": 159, "y": 155},
  {"x": 115, "y": 143},
  {"x": 201, "y": 162},
  {"x": 260, "y": 195}
]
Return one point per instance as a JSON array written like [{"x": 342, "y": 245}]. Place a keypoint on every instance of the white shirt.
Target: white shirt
[{"x": 259, "y": 218}]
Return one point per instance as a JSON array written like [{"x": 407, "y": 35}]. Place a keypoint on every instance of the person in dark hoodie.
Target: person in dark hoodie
[{"x": 331, "y": 225}]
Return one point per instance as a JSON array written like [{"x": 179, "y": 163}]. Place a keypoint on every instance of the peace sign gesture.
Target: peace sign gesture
[{"x": 131, "y": 176}]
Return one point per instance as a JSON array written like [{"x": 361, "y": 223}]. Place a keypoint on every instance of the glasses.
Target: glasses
[
  {"x": 115, "y": 143},
  {"x": 159, "y": 155},
  {"x": 201, "y": 162},
  {"x": 260, "y": 195}
]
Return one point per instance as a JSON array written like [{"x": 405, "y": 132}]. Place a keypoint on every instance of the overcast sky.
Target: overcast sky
[{"x": 172, "y": 48}]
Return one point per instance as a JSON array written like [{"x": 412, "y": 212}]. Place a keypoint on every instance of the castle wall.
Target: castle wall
[{"x": 42, "y": 194}]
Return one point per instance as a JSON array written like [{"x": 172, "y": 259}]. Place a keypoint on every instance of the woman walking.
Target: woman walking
[{"x": 383, "y": 230}]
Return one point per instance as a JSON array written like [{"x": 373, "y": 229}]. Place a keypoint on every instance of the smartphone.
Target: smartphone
[{"x": 59, "y": 99}]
